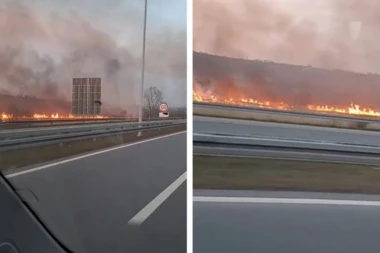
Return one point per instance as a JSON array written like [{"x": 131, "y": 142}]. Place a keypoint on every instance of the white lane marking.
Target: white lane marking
[
  {"x": 144, "y": 213},
  {"x": 88, "y": 155},
  {"x": 298, "y": 201}
]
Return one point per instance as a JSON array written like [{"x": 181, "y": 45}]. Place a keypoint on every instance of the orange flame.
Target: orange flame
[
  {"x": 241, "y": 101},
  {"x": 353, "y": 109},
  {"x": 6, "y": 116},
  {"x": 53, "y": 116}
]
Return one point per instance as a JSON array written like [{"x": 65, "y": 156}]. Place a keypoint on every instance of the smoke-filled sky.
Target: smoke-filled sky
[
  {"x": 44, "y": 44},
  {"x": 342, "y": 34}
]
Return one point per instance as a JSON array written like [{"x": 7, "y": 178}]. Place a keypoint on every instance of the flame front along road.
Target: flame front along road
[
  {"x": 352, "y": 109},
  {"x": 57, "y": 116}
]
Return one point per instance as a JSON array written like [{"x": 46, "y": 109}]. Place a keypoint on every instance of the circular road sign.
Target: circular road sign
[{"x": 163, "y": 107}]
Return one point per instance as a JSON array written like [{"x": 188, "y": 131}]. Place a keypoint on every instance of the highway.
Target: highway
[
  {"x": 241, "y": 138},
  {"x": 130, "y": 198},
  {"x": 287, "y": 222},
  {"x": 294, "y": 222},
  {"x": 36, "y": 137},
  {"x": 286, "y": 131}
]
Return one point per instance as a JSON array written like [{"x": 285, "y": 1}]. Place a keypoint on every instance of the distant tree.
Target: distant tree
[{"x": 153, "y": 97}]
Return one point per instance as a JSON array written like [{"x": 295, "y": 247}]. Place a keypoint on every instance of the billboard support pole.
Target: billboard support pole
[{"x": 143, "y": 67}]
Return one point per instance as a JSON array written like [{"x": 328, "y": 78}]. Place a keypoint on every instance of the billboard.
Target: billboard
[{"x": 86, "y": 96}]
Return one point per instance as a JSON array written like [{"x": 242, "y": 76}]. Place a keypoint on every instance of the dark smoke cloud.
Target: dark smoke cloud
[
  {"x": 300, "y": 32},
  {"x": 40, "y": 54}
]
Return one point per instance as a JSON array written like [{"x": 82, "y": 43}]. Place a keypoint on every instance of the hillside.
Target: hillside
[{"x": 295, "y": 85}]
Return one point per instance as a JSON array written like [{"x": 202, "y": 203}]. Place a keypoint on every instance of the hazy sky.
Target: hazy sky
[
  {"x": 342, "y": 34},
  {"x": 45, "y": 43}
]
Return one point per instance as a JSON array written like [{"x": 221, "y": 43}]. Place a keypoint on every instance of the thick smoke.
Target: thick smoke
[
  {"x": 41, "y": 51},
  {"x": 322, "y": 33},
  {"x": 328, "y": 34}
]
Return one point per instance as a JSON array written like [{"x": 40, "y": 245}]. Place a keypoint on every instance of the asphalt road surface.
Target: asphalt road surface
[
  {"x": 294, "y": 226},
  {"x": 130, "y": 199},
  {"x": 286, "y": 131}
]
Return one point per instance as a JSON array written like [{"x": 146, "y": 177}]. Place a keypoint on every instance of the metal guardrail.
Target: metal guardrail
[
  {"x": 41, "y": 140},
  {"x": 233, "y": 108},
  {"x": 244, "y": 141},
  {"x": 34, "y": 132},
  {"x": 63, "y": 122}
]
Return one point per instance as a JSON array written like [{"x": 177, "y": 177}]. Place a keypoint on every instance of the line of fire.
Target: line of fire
[
  {"x": 270, "y": 85},
  {"x": 85, "y": 103}
]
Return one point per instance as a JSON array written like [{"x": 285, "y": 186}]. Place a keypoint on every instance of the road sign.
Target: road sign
[
  {"x": 163, "y": 115},
  {"x": 164, "y": 107}
]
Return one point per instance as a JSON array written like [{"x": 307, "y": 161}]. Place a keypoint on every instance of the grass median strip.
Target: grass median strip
[
  {"x": 12, "y": 160},
  {"x": 212, "y": 172}
]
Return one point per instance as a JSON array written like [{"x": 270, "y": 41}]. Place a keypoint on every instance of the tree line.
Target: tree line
[{"x": 153, "y": 97}]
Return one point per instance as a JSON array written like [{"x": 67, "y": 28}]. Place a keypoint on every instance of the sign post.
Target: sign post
[{"x": 143, "y": 67}]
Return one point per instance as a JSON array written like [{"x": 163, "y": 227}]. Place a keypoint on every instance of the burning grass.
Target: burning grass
[
  {"x": 352, "y": 109},
  {"x": 264, "y": 174},
  {"x": 6, "y": 117}
]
